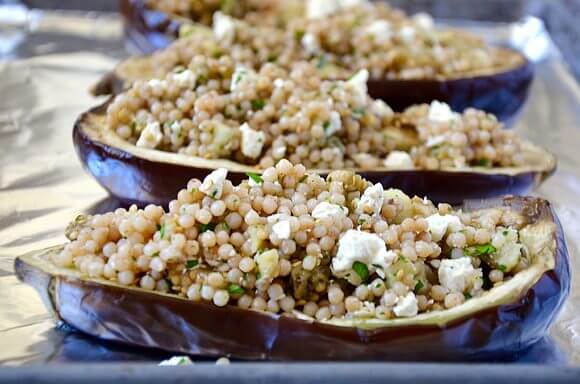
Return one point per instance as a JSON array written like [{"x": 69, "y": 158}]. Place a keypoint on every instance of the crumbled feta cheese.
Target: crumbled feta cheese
[
  {"x": 185, "y": 78},
  {"x": 325, "y": 209},
  {"x": 371, "y": 201},
  {"x": 351, "y": 3},
  {"x": 438, "y": 225},
  {"x": 380, "y": 30},
  {"x": 406, "y": 306},
  {"x": 151, "y": 135},
  {"x": 334, "y": 124},
  {"x": 399, "y": 160},
  {"x": 310, "y": 43},
  {"x": 367, "y": 310},
  {"x": 423, "y": 20},
  {"x": 381, "y": 109},
  {"x": 317, "y": 9},
  {"x": 157, "y": 83},
  {"x": 177, "y": 360},
  {"x": 282, "y": 229},
  {"x": 367, "y": 248},
  {"x": 505, "y": 241},
  {"x": 240, "y": 75},
  {"x": 213, "y": 184},
  {"x": 458, "y": 275},
  {"x": 252, "y": 141},
  {"x": 358, "y": 84},
  {"x": 224, "y": 27},
  {"x": 440, "y": 112},
  {"x": 435, "y": 141},
  {"x": 407, "y": 34},
  {"x": 278, "y": 83},
  {"x": 268, "y": 263}
]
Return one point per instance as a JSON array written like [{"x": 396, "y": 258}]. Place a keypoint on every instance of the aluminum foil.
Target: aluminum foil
[{"x": 45, "y": 73}]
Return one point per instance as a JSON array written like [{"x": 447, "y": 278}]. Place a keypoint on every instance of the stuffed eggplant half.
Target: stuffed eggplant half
[
  {"x": 146, "y": 142},
  {"x": 289, "y": 258},
  {"x": 409, "y": 60}
]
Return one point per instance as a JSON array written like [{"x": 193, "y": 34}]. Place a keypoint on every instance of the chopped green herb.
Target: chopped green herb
[
  {"x": 206, "y": 227},
  {"x": 161, "y": 229},
  {"x": 483, "y": 163},
  {"x": 402, "y": 258},
  {"x": 235, "y": 289},
  {"x": 335, "y": 142},
  {"x": 467, "y": 295},
  {"x": 259, "y": 275},
  {"x": 298, "y": 35},
  {"x": 133, "y": 126},
  {"x": 378, "y": 285},
  {"x": 377, "y": 266},
  {"x": 189, "y": 264},
  {"x": 480, "y": 250},
  {"x": 358, "y": 113},
  {"x": 256, "y": 177},
  {"x": 361, "y": 270},
  {"x": 505, "y": 232},
  {"x": 272, "y": 58},
  {"x": 156, "y": 254},
  {"x": 419, "y": 286},
  {"x": 502, "y": 268},
  {"x": 303, "y": 178},
  {"x": 361, "y": 221},
  {"x": 179, "y": 69},
  {"x": 201, "y": 79},
  {"x": 222, "y": 227},
  {"x": 214, "y": 193},
  {"x": 194, "y": 190},
  {"x": 326, "y": 125},
  {"x": 216, "y": 53},
  {"x": 322, "y": 61},
  {"x": 258, "y": 104}
]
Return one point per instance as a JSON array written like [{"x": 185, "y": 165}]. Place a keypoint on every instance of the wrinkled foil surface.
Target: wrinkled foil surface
[{"x": 44, "y": 82}]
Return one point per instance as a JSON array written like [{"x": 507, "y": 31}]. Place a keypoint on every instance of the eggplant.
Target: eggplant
[
  {"x": 502, "y": 91},
  {"x": 507, "y": 319},
  {"x": 140, "y": 175}
]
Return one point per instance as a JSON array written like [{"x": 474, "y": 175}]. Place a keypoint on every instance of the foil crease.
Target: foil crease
[{"x": 45, "y": 83}]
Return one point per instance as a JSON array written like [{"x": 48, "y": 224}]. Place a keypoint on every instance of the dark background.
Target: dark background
[{"x": 562, "y": 17}]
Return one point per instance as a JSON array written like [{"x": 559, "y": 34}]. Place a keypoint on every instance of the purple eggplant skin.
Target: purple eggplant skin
[
  {"x": 134, "y": 179},
  {"x": 147, "y": 30},
  {"x": 141, "y": 318},
  {"x": 502, "y": 94}
]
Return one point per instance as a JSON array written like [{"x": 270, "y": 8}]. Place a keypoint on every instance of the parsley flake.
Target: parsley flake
[
  {"x": 419, "y": 286},
  {"x": 189, "y": 264},
  {"x": 235, "y": 289},
  {"x": 480, "y": 250},
  {"x": 256, "y": 177},
  {"x": 258, "y": 104},
  {"x": 206, "y": 227},
  {"x": 361, "y": 270}
]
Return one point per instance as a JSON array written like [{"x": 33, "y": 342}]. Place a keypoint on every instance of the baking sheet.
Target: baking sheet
[{"x": 44, "y": 84}]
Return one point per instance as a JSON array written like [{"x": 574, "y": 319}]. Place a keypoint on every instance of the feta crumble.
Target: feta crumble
[
  {"x": 381, "y": 109},
  {"x": 380, "y": 30},
  {"x": 440, "y": 112},
  {"x": 367, "y": 248},
  {"x": 213, "y": 184},
  {"x": 358, "y": 84},
  {"x": 399, "y": 160},
  {"x": 423, "y": 20},
  {"x": 325, "y": 209},
  {"x": 240, "y": 75},
  {"x": 151, "y": 135},
  {"x": 371, "y": 201},
  {"x": 185, "y": 78},
  {"x": 334, "y": 124},
  {"x": 439, "y": 225},
  {"x": 252, "y": 141},
  {"x": 224, "y": 27},
  {"x": 458, "y": 275},
  {"x": 406, "y": 306},
  {"x": 310, "y": 43},
  {"x": 508, "y": 253},
  {"x": 407, "y": 34},
  {"x": 282, "y": 229}
]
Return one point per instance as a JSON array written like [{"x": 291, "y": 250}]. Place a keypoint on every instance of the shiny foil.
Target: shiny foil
[{"x": 45, "y": 83}]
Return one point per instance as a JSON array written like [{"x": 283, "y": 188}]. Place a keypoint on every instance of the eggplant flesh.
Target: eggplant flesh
[
  {"x": 139, "y": 175},
  {"x": 505, "y": 320}
]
